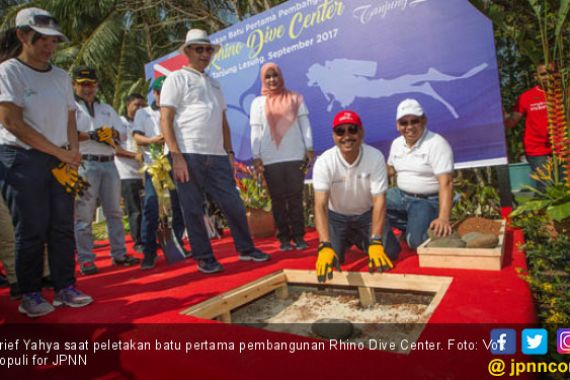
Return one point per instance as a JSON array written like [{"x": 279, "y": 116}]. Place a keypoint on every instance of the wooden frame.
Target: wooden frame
[
  {"x": 221, "y": 306},
  {"x": 464, "y": 258}
]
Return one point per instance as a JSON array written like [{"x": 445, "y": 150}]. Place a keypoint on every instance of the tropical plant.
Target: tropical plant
[
  {"x": 252, "y": 188},
  {"x": 476, "y": 194}
]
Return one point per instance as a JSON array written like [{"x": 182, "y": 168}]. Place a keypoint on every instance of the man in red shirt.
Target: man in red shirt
[{"x": 532, "y": 105}]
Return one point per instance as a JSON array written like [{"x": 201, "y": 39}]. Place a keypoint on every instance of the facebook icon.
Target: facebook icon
[{"x": 503, "y": 342}]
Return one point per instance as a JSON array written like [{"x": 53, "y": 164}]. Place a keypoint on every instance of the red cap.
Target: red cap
[{"x": 346, "y": 117}]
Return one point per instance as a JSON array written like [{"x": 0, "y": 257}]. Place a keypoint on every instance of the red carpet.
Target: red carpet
[{"x": 127, "y": 296}]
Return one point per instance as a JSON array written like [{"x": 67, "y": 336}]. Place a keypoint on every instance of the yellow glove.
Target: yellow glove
[
  {"x": 326, "y": 260},
  {"x": 377, "y": 257},
  {"x": 70, "y": 179},
  {"x": 103, "y": 135}
]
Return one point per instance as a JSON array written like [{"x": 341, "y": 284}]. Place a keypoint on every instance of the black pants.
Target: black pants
[
  {"x": 285, "y": 181},
  {"x": 42, "y": 213},
  {"x": 131, "y": 192}
]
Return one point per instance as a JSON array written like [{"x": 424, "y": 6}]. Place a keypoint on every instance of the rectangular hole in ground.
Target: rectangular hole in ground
[{"x": 396, "y": 315}]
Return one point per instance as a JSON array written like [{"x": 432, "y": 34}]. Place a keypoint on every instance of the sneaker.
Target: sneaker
[
  {"x": 210, "y": 266},
  {"x": 72, "y": 297},
  {"x": 126, "y": 261},
  {"x": 300, "y": 244},
  {"x": 88, "y": 268},
  {"x": 139, "y": 248},
  {"x": 34, "y": 305},
  {"x": 15, "y": 293},
  {"x": 285, "y": 246},
  {"x": 47, "y": 282},
  {"x": 255, "y": 255},
  {"x": 149, "y": 261}
]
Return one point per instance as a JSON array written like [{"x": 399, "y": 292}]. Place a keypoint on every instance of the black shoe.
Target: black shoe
[
  {"x": 47, "y": 282},
  {"x": 285, "y": 246},
  {"x": 3, "y": 281},
  {"x": 254, "y": 255},
  {"x": 87, "y": 268},
  {"x": 300, "y": 244},
  {"x": 210, "y": 266},
  {"x": 15, "y": 293},
  {"x": 149, "y": 261},
  {"x": 126, "y": 261},
  {"x": 138, "y": 248}
]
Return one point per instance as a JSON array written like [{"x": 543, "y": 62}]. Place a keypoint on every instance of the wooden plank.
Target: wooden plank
[
  {"x": 412, "y": 282},
  {"x": 456, "y": 262},
  {"x": 230, "y": 300},
  {"x": 282, "y": 292},
  {"x": 367, "y": 296},
  {"x": 225, "y": 317}
]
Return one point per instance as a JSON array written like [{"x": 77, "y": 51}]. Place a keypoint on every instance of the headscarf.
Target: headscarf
[{"x": 281, "y": 105}]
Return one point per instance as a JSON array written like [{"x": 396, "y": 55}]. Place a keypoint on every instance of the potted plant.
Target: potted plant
[{"x": 255, "y": 196}]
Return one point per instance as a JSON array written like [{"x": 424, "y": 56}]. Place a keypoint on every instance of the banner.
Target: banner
[{"x": 368, "y": 56}]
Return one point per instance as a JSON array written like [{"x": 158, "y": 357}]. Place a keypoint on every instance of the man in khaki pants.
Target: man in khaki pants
[{"x": 8, "y": 248}]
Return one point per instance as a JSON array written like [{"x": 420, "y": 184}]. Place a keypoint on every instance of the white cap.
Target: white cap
[
  {"x": 409, "y": 107},
  {"x": 198, "y": 37},
  {"x": 41, "y": 21}
]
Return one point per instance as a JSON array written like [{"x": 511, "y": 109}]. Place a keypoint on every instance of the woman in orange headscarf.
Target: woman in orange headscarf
[{"x": 282, "y": 148}]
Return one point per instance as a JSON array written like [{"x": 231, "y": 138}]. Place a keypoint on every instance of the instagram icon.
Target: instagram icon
[{"x": 563, "y": 341}]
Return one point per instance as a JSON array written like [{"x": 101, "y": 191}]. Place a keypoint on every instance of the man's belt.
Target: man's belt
[
  {"x": 93, "y": 157},
  {"x": 421, "y": 196}
]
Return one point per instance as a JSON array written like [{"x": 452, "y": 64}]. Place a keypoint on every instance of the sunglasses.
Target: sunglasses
[
  {"x": 340, "y": 131},
  {"x": 44, "y": 21},
  {"x": 411, "y": 122},
  {"x": 201, "y": 49},
  {"x": 87, "y": 84}
]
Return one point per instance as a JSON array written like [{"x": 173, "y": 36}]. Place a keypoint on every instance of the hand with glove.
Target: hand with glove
[
  {"x": 103, "y": 135},
  {"x": 326, "y": 260},
  {"x": 377, "y": 257},
  {"x": 70, "y": 179}
]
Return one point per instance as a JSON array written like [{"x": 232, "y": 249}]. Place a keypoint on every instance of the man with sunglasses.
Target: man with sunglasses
[
  {"x": 98, "y": 126},
  {"x": 350, "y": 183},
  {"x": 422, "y": 162},
  {"x": 195, "y": 128}
]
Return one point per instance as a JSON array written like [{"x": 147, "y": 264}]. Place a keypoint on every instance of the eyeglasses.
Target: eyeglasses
[
  {"x": 201, "y": 49},
  {"x": 44, "y": 21},
  {"x": 340, "y": 131},
  {"x": 410, "y": 122}
]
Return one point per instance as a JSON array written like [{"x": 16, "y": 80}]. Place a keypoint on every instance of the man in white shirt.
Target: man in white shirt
[
  {"x": 147, "y": 133},
  {"x": 130, "y": 170},
  {"x": 350, "y": 183},
  {"x": 195, "y": 128},
  {"x": 94, "y": 120},
  {"x": 422, "y": 162}
]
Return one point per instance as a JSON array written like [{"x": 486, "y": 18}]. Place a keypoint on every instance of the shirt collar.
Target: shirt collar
[
  {"x": 418, "y": 143},
  {"x": 355, "y": 163}
]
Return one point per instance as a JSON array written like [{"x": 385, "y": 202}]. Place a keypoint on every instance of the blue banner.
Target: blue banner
[{"x": 367, "y": 56}]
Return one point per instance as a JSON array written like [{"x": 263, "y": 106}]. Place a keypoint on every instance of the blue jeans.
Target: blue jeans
[
  {"x": 212, "y": 175},
  {"x": 42, "y": 214},
  {"x": 150, "y": 217},
  {"x": 105, "y": 186},
  {"x": 411, "y": 215},
  {"x": 348, "y": 230}
]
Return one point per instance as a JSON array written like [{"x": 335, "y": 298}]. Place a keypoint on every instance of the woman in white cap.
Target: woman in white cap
[
  {"x": 39, "y": 155},
  {"x": 282, "y": 148}
]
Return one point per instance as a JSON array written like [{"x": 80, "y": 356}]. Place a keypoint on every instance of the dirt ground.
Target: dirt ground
[{"x": 306, "y": 305}]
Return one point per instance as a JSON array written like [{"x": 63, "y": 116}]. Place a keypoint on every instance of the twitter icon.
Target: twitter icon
[{"x": 534, "y": 341}]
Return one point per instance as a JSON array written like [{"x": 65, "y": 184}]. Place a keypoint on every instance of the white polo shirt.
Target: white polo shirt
[
  {"x": 417, "y": 167},
  {"x": 351, "y": 187},
  {"x": 199, "y": 104},
  {"x": 46, "y": 98},
  {"x": 147, "y": 122},
  {"x": 105, "y": 115},
  {"x": 127, "y": 167},
  {"x": 294, "y": 144}
]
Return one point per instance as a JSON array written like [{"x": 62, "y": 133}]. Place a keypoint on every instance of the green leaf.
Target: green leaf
[
  {"x": 532, "y": 205},
  {"x": 562, "y": 18},
  {"x": 559, "y": 212}
]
